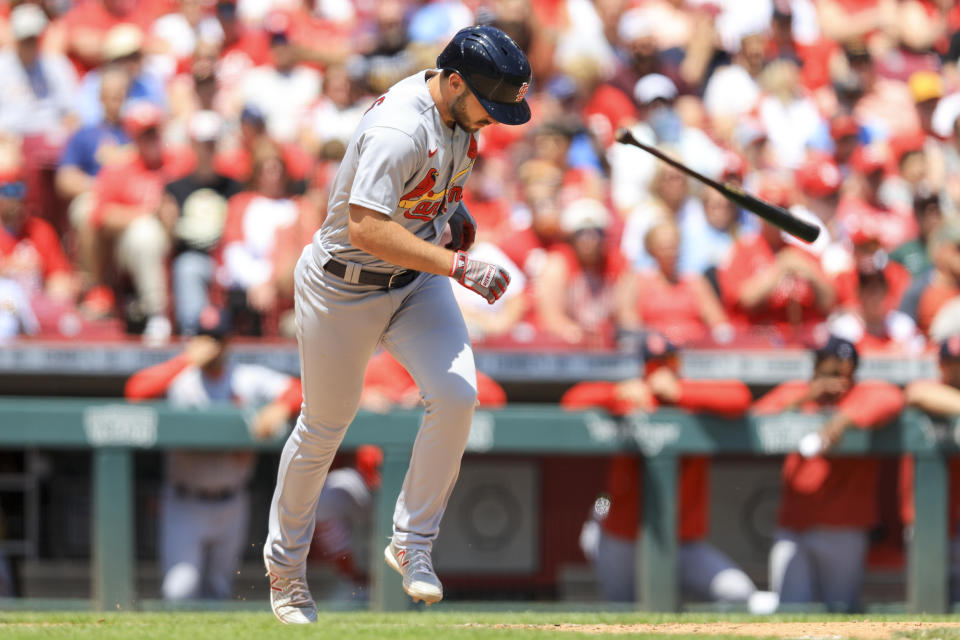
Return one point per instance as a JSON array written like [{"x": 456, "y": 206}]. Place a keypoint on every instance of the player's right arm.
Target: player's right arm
[
  {"x": 388, "y": 158},
  {"x": 381, "y": 236}
]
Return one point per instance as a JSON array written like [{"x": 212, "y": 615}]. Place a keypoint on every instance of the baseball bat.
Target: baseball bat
[{"x": 771, "y": 213}]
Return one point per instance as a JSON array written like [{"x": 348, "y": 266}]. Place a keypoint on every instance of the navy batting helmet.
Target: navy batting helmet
[{"x": 494, "y": 68}]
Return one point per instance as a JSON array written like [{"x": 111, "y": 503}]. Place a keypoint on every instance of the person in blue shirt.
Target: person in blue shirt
[{"x": 91, "y": 147}]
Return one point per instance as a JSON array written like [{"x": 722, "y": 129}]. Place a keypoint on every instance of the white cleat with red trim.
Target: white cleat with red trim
[
  {"x": 290, "y": 600},
  {"x": 419, "y": 580}
]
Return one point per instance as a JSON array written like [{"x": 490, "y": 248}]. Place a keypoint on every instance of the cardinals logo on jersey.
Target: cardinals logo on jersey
[{"x": 422, "y": 202}]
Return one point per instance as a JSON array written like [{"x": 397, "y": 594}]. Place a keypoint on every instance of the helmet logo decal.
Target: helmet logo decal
[{"x": 522, "y": 93}]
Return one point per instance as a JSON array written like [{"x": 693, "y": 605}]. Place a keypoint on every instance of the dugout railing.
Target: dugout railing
[{"x": 114, "y": 431}]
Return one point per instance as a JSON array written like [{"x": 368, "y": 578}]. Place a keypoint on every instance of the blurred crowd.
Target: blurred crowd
[{"x": 157, "y": 156}]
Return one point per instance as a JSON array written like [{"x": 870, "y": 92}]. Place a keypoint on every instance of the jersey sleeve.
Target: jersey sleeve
[
  {"x": 780, "y": 398},
  {"x": 154, "y": 381},
  {"x": 388, "y": 158},
  {"x": 872, "y": 404},
  {"x": 730, "y": 398}
]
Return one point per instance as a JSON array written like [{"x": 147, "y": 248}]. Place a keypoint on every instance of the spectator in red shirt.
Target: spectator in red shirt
[
  {"x": 30, "y": 251},
  {"x": 769, "y": 282},
  {"x": 575, "y": 291},
  {"x": 828, "y": 504},
  {"x": 873, "y": 324},
  {"x": 684, "y": 308},
  {"x": 127, "y": 218},
  {"x": 940, "y": 398},
  {"x": 387, "y": 384},
  {"x": 855, "y": 211},
  {"x": 705, "y": 571},
  {"x": 539, "y": 205}
]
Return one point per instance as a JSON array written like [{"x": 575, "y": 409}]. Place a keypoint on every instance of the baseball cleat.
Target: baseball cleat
[
  {"x": 419, "y": 580},
  {"x": 290, "y": 600}
]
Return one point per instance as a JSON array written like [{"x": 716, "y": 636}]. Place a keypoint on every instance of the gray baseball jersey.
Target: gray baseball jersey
[{"x": 404, "y": 162}]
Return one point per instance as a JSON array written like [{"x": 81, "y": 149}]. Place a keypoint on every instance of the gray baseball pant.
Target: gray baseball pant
[{"x": 339, "y": 326}]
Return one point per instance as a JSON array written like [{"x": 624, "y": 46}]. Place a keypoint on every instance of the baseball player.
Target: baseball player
[
  {"x": 375, "y": 274},
  {"x": 940, "y": 398},
  {"x": 706, "y": 573},
  {"x": 346, "y": 500},
  {"x": 828, "y": 504},
  {"x": 204, "y": 502}
]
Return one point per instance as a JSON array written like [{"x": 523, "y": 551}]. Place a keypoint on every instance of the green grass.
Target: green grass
[{"x": 425, "y": 625}]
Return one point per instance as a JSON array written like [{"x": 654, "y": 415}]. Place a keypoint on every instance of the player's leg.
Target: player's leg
[
  {"x": 615, "y": 568},
  {"x": 706, "y": 573},
  {"x": 791, "y": 572},
  {"x": 337, "y": 332},
  {"x": 839, "y": 555},
  {"x": 338, "y": 329},
  {"x": 428, "y": 337},
  {"x": 230, "y": 537},
  {"x": 181, "y": 546}
]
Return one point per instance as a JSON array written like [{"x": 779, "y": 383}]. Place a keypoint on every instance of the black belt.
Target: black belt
[
  {"x": 205, "y": 495},
  {"x": 374, "y": 278}
]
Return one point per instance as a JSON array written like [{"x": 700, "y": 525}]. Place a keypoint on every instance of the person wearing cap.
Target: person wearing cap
[
  {"x": 38, "y": 87},
  {"x": 940, "y": 398},
  {"x": 872, "y": 322},
  {"x": 865, "y": 208},
  {"x": 828, "y": 503},
  {"x": 819, "y": 179},
  {"x": 122, "y": 49},
  {"x": 204, "y": 502},
  {"x": 884, "y": 106},
  {"x": 284, "y": 90},
  {"x": 705, "y": 572},
  {"x": 198, "y": 203},
  {"x": 575, "y": 292},
  {"x": 374, "y": 273},
  {"x": 845, "y": 133},
  {"x": 130, "y": 235},
  {"x": 656, "y": 97},
  {"x": 344, "y": 507},
  {"x": 30, "y": 249},
  {"x": 685, "y": 308}
]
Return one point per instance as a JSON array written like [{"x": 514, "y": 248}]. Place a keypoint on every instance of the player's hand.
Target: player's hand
[
  {"x": 270, "y": 420},
  {"x": 488, "y": 280},
  {"x": 463, "y": 230},
  {"x": 202, "y": 350}
]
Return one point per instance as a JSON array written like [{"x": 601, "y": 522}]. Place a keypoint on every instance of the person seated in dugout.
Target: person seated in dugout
[
  {"x": 706, "y": 573},
  {"x": 939, "y": 398},
  {"x": 828, "y": 503}
]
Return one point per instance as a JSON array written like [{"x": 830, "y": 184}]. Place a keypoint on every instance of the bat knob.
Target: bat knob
[{"x": 623, "y": 135}]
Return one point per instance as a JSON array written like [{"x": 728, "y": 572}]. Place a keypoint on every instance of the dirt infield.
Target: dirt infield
[{"x": 865, "y": 630}]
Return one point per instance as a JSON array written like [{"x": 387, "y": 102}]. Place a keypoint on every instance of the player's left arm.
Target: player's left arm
[
  {"x": 933, "y": 397},
  {"x": 869, "y": 405}
]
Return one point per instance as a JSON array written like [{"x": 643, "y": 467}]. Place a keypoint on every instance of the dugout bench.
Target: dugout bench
[{"x": 113, "y": 430}]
